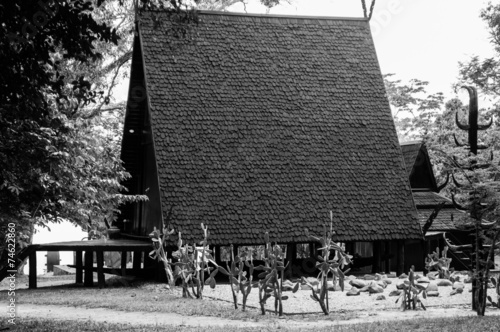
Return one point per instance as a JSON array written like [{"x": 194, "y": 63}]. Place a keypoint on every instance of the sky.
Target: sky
[{"x": 423, "y": 39}]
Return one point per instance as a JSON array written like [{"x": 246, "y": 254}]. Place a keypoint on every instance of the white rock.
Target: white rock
[
  {"x": 443, "y": 282},
  {"x": 432, "y": 287},
  {"x": 422, "y": 280},
  {"x": 357, "y": 283}
]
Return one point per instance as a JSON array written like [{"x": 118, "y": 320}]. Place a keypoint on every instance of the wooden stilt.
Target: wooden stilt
[
  {"x": 151, "y": 266},
  {"x": 388, "y": 257},
  {"x": 291, "y": 256},
  {"x": 376, "y": 257},
  {"x": 400, "y": 257},
  {"x": 89, "y": 264},
  {"x": 137, "y": 262},
  {"x": 124, "y": 263},
  {"x": 79, "y": 267},
  {"x": 235, "y": 250},
  {"x": 350, "y": 247},
  {"x": 424, "y": 250},
  {"x": 312, "y": 250},
  {"x": 32, "y": 265},
  {"x": 100, "y": 272}
]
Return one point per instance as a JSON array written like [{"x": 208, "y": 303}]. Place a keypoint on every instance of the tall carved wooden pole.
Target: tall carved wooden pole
[
  {"x": 478, "y": 291},
  {"x": 473, "y": 127}
]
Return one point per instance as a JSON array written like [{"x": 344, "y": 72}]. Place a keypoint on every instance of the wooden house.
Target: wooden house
[
  {"x": 427, "y": 199},
  {"x": 255, "y": 123}
]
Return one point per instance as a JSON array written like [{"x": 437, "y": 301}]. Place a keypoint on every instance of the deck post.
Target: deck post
[
  {"x": 136, "y": 262},
  {"x": 100, "y": 273},
  {"x": 150, "y": 267},
  {"x": 32, "y": 276},
  {"x": 89, "y": 264},
  {"x": 400, "y": 257},
  {"x": 124, "y": 263},
  {"x": 79, "y": 267}
]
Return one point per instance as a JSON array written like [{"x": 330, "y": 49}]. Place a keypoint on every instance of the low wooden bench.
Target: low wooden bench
[{"x": 89, "y": 247}]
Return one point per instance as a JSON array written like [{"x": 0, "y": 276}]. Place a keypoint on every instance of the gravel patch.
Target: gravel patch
[{"x": 302, "y": 303}]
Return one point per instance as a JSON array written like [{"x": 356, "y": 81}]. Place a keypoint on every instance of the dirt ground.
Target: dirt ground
[{"x": 300, "y": 309}]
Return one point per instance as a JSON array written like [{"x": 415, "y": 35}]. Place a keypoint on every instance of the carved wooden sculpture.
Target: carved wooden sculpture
[
  {"x": 476, "y": 208},
  {"x": 473, "y": 127}
]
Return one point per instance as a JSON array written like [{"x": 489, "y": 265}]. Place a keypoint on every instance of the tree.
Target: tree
[
  {"x": 485, "y": 73},
  {"x": 414, "y": 110},
  {"x": 53, "y": 163},
  {"x": 58, "y": 149},
  {"x": 480, "y": 186}
]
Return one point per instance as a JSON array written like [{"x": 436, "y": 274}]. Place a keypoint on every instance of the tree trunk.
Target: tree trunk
[{"x": 20, "y": 268}]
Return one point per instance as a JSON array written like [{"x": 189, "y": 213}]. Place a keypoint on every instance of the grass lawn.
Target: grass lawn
[
  {"x": 483, "y": 324},
  {"x": 146, "y": 297},
  {"x": 155, "y": 298}
]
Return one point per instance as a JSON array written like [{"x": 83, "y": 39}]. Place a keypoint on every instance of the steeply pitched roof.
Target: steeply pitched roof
[
  {"x": 418, "y": 166},
  {"x": 444, "y": 221},
  {"x": 410, "y": 152},
  {"x": 448, "y": 217},
  {"x": 266, "y": 123},
  {"x": 430, "y": 199}
]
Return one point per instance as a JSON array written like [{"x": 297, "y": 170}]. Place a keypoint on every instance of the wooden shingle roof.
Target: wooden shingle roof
[
  {"x": 410, "y": 153},
  {"x": 266, "y": 123},
  {"x": 448, "y": 217}
]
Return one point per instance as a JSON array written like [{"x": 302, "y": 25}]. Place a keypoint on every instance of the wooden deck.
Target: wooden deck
[{"x": 88, "y": 248}]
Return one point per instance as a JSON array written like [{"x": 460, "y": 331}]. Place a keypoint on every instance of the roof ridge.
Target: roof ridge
[
  {"x": 336, "y": 18},
  {"x": 278, "y": 16},
  {"x": 412, "y": 142}
]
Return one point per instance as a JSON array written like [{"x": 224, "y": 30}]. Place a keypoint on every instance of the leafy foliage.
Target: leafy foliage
[
  {"x": 484, "y": 73},
  {"x": 441, "y": 264},
  {"x": 58, "y": 158},
  {"x": 414, "y": 109}
]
